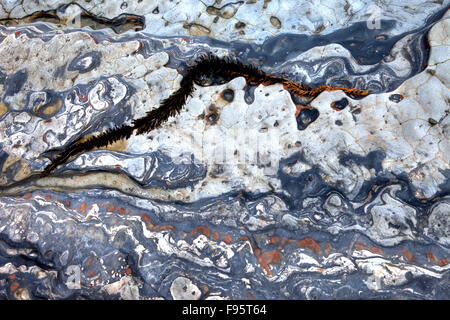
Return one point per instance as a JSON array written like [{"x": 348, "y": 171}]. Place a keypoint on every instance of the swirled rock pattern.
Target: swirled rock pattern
[{"x": 249, "y": 193}]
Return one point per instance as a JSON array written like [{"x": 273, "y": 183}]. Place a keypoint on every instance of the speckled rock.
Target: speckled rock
[{"x": 250, "y": 192}]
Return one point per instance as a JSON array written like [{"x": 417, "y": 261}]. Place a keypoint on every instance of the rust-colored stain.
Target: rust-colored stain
[
  {"x": 227, "y": 239},
  {"x": 299, "y": 108},
  {"x": 328, "y": 248},
  {"x": 205, "y": 288},
  {"x": 82, "y": 208},
  {"x": 153, "y": 227},
  {"x": 320, "y": 270},
  {"x": 335, "y": 108},
  {"x": 128, "y": 271},
  {"x": 267, "y": 258},
  {"x": 166, "y": 226},
  {"x": 12, "y": 276},
  {"x": 67, "y": 203},
  {"x": 274, "y": 240},
  {"x": 47, "y": 197},
  {"x": 27, "y": 196},
  {"x": 216, "y": 236},
  {"x": 146, "y": 219},
  {"x": 431, "y": 257},
  {"x": 375, "y": 250},
  {"x": 91, "y": 274},
  {"x": 249, "y": 295},
  {"x": 14, "y": 286},
  {"x": 111, "y": 208},
  {"x": 203, "y": 229},
  {"x": 369, "y": 196},
  {"x": 443, "y": 262},
  {"x": 408, "y": 255},
  {"x": 123, "y": 211},
  {"x": 310, "y": 243}
]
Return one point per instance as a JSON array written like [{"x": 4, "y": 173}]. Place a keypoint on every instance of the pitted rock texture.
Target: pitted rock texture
[{"x": 250, "y": 192}]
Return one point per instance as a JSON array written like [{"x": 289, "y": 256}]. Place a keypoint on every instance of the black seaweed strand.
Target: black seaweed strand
[{"x": 201, "y": 73}]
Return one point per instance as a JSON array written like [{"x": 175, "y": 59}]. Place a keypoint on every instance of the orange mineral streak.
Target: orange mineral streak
[
  {"x": 165, "y": 227},
  {"x": 153, "y": 227},
  {"x": 310, "y": 243},
  {"x": 360, "y": 246},
  {"x": 443, "y": 262},
  {"x": 431, "y": 257},
  {"x": 82, "y": 208},
  {"x": 14, "y": 286},
  {"x": 267, "y": 258},
  {"x": 147, "y": 221},
  {"x": 407, "y": 255},
  {"x": 91, "y": 274},
  {"x": 203, "y": 229},
  {"x": 227, "y": 239}
]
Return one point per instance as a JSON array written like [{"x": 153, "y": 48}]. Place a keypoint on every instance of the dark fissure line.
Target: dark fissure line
[
  {"x": 118, "y": 24},
  {"x": 206, "y": 68}
]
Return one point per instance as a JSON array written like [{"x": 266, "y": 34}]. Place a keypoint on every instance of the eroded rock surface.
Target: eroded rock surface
[{"x": 250, "y": 192}]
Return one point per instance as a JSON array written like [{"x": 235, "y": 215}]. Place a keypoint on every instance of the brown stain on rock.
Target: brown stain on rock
[
  {"x": 49, "y": 109},
  {"x": 328, "y": 248},
  {"x": 443, "y": 262},
  {"x": 82, "y": 208},
  {"x": 266, "y": 259},
  {"x": 166, "y": 227},
  {"x": 3, "y": 109},
  {"x": 408, "y": 255},
  {"x": 360, "y": 246},
  {"x": 203, "y": 229},
  {"x": 227, "y": 239},
  {"x": 431, "y": 257},
  {"x": 310, "y": 243},
  {"x": 147, "y": 221},
  {"x": 14, "y": 286}
]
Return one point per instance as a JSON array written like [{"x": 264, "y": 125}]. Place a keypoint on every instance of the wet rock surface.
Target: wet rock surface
[{"x": 250, "y": 192}]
